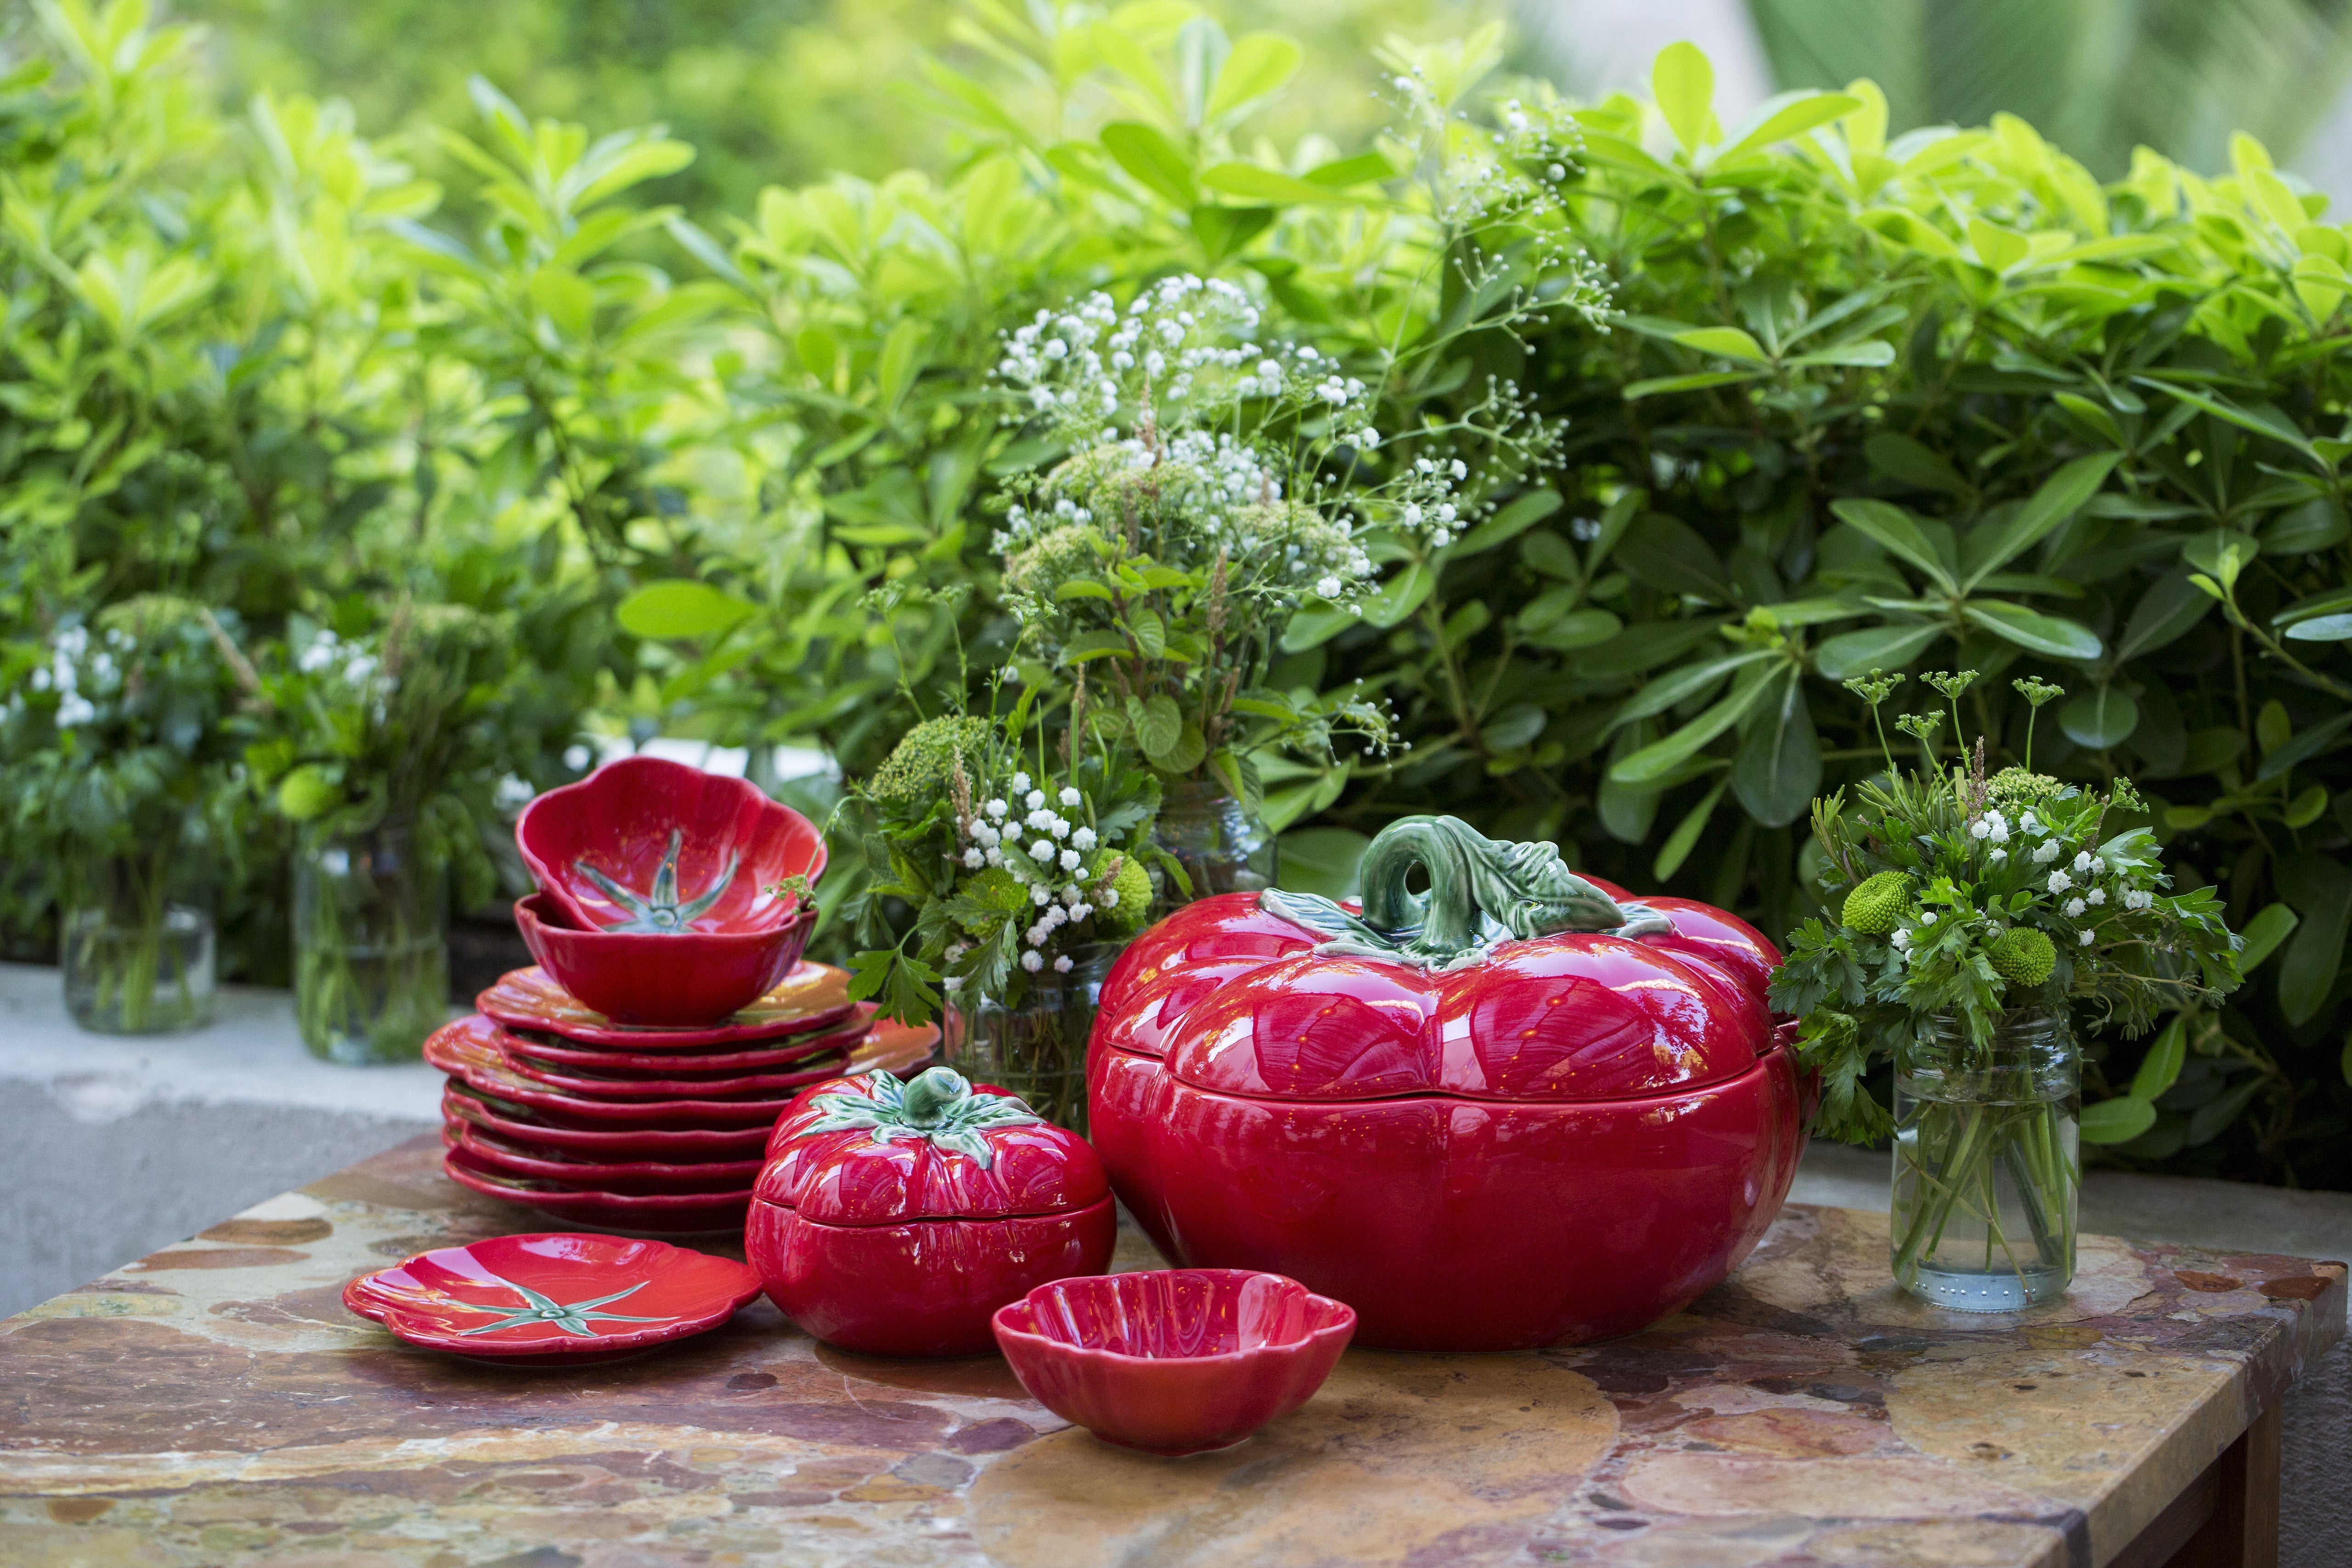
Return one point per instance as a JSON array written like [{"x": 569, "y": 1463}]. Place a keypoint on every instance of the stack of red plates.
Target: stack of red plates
[{"x": 555, "y": 1106}]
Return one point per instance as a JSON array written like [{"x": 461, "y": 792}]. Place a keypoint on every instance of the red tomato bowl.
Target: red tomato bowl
[
  {"x": 599, "y": 848},
  {"x": 689, "y": 979},
  {"x": 1177, "y": 1361}
]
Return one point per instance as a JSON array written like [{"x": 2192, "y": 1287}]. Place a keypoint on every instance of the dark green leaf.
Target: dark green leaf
[
  {"x": 2045, "y": 635},
  {"x": 2170, "y": 606},
  {"x": 2320, "y": 889},
  {"x": 2099, "y": 718},
  {"x": 2264, "y": 933},
  {"x": 1849, "y": 654},
  {"x": 1896, "y": 532},
  {"x": 1684, "y": 837},
  {"x": 2317, "y": 741},
  {"x": 1778, "y": 765},
  {"x": 1321, "y": 860},
  {"x": 2116, "y": 1120},
  {"x": 2063, "y": 495}
]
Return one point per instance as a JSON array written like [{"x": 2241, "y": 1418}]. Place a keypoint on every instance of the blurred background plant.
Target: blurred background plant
[{"x": 1861, "y": 394}]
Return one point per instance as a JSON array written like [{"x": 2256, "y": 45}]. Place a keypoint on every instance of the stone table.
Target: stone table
[{"x": 212, "y": 1402}]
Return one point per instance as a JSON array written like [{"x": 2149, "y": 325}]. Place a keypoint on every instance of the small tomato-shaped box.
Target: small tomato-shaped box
[
  {"x": 1511, "y": 1111},
  {"x": 895, "y": 1219}
]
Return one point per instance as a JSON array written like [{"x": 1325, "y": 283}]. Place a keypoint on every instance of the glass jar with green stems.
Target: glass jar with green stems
[
  {"x": 1988, "y": 1160},
  {"x": 389, "y": 739},
  {"x": 117, "y": 760},
  {"x": 1969, "y": 913},
  {"x": 135, "y": 938},
  {"x": 370, "y": 944}
]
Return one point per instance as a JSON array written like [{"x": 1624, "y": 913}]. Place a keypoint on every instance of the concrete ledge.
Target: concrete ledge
[{"x": 112, "y": 1147}]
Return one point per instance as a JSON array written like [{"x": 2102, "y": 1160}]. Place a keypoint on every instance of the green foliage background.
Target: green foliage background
[{"x": 1921, "y": 402}]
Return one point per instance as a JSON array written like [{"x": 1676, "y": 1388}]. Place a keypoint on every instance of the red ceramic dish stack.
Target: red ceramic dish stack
[
  {"x": 639, "y": 1129},
  {"x": 630, "y": 1081}
]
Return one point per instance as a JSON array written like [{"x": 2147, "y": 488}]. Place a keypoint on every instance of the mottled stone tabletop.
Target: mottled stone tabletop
[{"x": 215, "y": 1404}]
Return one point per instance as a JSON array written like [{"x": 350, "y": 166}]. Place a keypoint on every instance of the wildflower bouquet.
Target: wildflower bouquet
[
  {"x": 1023, "y": 868},
  {"x": 389, "y": 742},
  {"x": 1218, "y": 486},
  {"x": 1968, "y": 912},
  {"x": 126, "y": 780}
]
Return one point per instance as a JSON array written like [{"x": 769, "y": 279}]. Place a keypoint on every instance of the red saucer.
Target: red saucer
[
  {"x": 463, "y": 1050},
  {"x": 783, "y": 1050},
  {"x": 669, "y": 1213},
  {"x": 496, "y": 1153},
  {"x": 498, "y": 1300},
  {"x": 811, "y": 996},
  {"x": 523, "y": 1123}
]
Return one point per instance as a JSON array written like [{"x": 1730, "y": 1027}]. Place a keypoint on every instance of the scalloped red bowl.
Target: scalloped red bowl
[
  {"x": 1175, "y": 1361},
  {"x": 453, "y": 1298},
  {"x": 619, "y": 820},
  {"x": 693, "y": 978}
]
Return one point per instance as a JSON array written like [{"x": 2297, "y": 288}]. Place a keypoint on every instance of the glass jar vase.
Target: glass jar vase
[
  {"x": 1034, "y": 1046},
  {"x": 136, "y": 944},
  {"x": 1224, "y": 847},
  {"x": 1986, "y": 1163},
  {"x": 370, "y": 944}
]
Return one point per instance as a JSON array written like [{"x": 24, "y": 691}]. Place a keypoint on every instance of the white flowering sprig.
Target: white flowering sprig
[
  {"x": 1953, "y": 892},
  {"x": 1221, "y": 483},
  {"x": 1013, "y": 864}
]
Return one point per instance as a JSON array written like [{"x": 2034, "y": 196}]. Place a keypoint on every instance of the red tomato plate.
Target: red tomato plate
[
  {"x": 813, "y": 996},
  {"x": 514, "y": 1159},
  {"x": 552, "y": 1299},
  {"x": 667, "y": 1212}
]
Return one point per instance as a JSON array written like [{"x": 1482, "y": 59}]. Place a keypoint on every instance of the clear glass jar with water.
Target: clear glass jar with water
[
  {"x": 371, "y": 946},
  {"x": 1222, "y": 847},
  {"x": 1987, "y": 1160},
  {"x": 136, "y": 946},
  {"x": 1036, "y": 1048}
]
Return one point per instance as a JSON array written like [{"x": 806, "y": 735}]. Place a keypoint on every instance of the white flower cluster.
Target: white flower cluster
[
  {"x": 1058, "y": 855},
  {"x": 74, "y": 671},
  {"x": 1182, "y": 342},
  {"x": 328, "y": 651}
]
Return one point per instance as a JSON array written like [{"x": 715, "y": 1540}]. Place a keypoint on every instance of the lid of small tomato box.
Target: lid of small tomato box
[
  {"x": 979, "y": 1161},
  {"x": 1579, "y": 1016}
]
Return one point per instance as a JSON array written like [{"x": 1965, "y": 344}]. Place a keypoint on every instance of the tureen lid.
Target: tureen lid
[
  {"x": 1511, "y": 979},
  {"x": 869, "y": 1150}
]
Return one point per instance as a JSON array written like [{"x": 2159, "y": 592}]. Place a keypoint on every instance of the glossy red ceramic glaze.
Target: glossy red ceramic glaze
[
  {"x": 463, "y": 1298},
  {"x": 1566, "y": 1141},
  {"x": 906, "y": 1246},
  {"x": 847, "y": 1177},
  {"x": 556, "y": 1051},
  {"x": 926, "y": 1288},
  {"x": 695, "y": 978},
  {"x": 467, "y": 1050},
  {"x": 813, "y": 996},
  {"x": 1177, "y": 1361},
  {"x": 667, "y": 1213},
  {"x": 620, "y": 820},
  {"x": 526, "y": 1124},
  {"x": 494, "y": 1152}
]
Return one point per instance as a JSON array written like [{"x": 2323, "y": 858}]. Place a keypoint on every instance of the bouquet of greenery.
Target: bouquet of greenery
[
  {"x": 1218, "y": 486},
  {"x": 390, "y": 743},
  {"x": 1012, "y": 856},
  {"x": 125, "y": 777},
  {"x": 1960, "y": 901}
]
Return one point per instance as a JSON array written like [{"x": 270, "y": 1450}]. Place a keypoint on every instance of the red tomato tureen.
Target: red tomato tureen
[{"x": 1516, "y": 1109}]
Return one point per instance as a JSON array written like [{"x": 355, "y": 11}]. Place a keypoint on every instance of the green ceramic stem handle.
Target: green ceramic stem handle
[{"x": 1482, "y": 891}]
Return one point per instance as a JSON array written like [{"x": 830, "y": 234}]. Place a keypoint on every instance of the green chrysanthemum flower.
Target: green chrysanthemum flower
[
  {"x": 1876, "y": 907},
  {"x": 2013, "y": 790},
  {"x": 2024, "y": 956},
  {"x": 1133, "y": 886},
  {"x": 996, "y": 888},
  {"x": 916, "y": 773}
]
